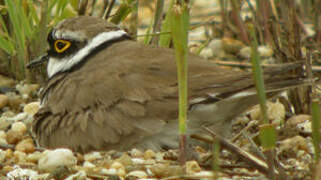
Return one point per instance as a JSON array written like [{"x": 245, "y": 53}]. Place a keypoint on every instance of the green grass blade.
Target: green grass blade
[{"x": 165, "y": 39}]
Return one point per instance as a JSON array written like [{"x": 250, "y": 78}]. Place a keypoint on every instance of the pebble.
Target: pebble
[
  {"x": 15, "y": 100},
  {"x": 265, "y": 51},
  {"x": 4, "y": 100},
  {"x": 19, "y": 117},
  {"x": 136, "y": 153},
  {"x": 192, "y": 167},
  {"x": 92, "y": 156},
  {"x": 6, "y": 82},
  {"x": 3, "y": 134},
  {"x": 20, "y": 157},
  {"x": 275, "y": 111},
  {"x": 19, "y": 173},
  {"x": 206, "y": 53},
  {"x": 81, "y": 175},
  {"x": 232, "y": 46},
  {"x": 245, "y": 52},
  {"x": 26, "y": 145},
  {"x": 27, "y": 89},
  {"x": 217, "y": 48},
  {"x": 125, "y": 159},
  {"x": 305, "y": 127},
  {"x": 166, "y": 170},
  {"x": 34, "y": 157},
  {"x": 297, "y": 119},
  {"x": 137, "y": 174},
  {"x": 149, "y": 154},
  {"x": 293, "y": 144},
  {"x": 88, "y": 165},
  {"x": 31, "y": 108},
  {"x": 13, "y": 137},
  {"x": 51, "y": 159},
  {"x": 2, "y": 156},
  {"x": 19, "y": 127}
]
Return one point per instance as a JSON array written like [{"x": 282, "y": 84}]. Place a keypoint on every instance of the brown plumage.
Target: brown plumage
[{"x": 124, "y": 95}]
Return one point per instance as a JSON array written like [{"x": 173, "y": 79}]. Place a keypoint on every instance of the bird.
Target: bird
[{"x": 106, "y": 91}]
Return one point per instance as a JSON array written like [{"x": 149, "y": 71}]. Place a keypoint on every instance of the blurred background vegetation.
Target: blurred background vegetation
[{"x": 290, "y": 27}]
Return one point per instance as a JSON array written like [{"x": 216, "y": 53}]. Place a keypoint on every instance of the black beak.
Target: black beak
[{"x": 38, "y": 61}]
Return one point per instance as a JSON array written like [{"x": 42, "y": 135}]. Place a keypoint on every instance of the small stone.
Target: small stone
[
  {"x": 51, "y": 159},
  {"x": 9, "y": 154},
  {"x": 117, "y": 165},
  {"x": 15, "y": 101},
  {"x": 166, "y": 170},
  {"x": 6, "y": 82},
  {"x": 26, "y": 146},
  {"x": 81, "y": 175},
  {"x": 192, "y": 167},
  {"x": 137, "y": 174},
  {"x": 136, "y": 153},
  {"x": 6, "y": 169},
  {"x": 19, "y": 173},
  {"x": 92, "y": 156},
  {"x": 265, "y": 51},
  {"x": 232, "y": 46},
  {"x": 2, "y": 156},
  {"x": 121, "y": 172},
  {"x": 206, "y": 53},
  {"x": 88, "y": 165},
  {"x": 149, "y": 154},
  {"x": 217, "y": 49},
  {"x": 3, "y": 134},
  {"x": 19, "y": 127},
  {"x": 34, "y": 157},
  {"x": 20, "y": 157},
  {"x": 245, "y": 52},
  {"x": 305, "y": 127},
  {"x": 275, "y": 111},
  {"x": 297, "y": 119},
  {"x": 125, "y": 159},
  {"x": 31, "y": 108},
  {"x": 14, "y": 137},
  {"x": 293, "y": 144},
  {"x": 18, "y": 117},
  {"x": 4, "y": 100},
  {"x": 27, "y": 89}
]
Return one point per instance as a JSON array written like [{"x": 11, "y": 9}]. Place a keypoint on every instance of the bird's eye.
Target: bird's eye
[{"x": 61, "y": 45}]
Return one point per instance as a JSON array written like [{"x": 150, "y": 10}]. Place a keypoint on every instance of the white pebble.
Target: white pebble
[
  {"x": 92, "y": 156},
  {"x": 108, "y": 171},
  {"x": 265, "y": 51},
  {"x": 78, "y": 175},
  {"x": 138, "y": 161},
  {"x": 19, "y": 173},
  {"x": 89, "y": 165},
  {"x": 137, "y": 174},
  {"x": 51, "y": 159}
]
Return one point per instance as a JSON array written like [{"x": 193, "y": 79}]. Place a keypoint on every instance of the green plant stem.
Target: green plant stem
[
  {"x": 179, "y": 28},
  {"x": 267, "y": 131}
]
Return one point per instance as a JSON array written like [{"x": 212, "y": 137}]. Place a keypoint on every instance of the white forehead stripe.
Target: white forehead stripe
[
  {"x": 65, "y": 34},
  {"x": 56, "y": 65}
]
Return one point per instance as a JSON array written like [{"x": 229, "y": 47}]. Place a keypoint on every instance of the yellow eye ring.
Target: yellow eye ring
[{"x": 65, "y": 45}]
